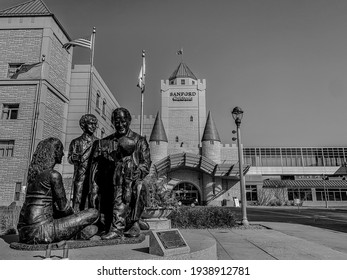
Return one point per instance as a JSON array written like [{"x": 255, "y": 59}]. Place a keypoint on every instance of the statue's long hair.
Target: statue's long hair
[{"x": 44, "y": 157}]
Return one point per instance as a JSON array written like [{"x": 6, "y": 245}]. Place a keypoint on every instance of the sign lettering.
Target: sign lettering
[{"x": 182, "y": 95}]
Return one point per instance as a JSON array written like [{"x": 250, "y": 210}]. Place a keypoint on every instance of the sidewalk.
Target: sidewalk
[
  {"x": 280, "y": 241},
  {"x": 277, "y": 241}
]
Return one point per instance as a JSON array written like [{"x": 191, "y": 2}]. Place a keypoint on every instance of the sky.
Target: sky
[{"x": 284, "y": 62}]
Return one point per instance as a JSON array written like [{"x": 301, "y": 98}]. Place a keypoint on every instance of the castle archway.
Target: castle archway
[{"x": 187, "y": 193}]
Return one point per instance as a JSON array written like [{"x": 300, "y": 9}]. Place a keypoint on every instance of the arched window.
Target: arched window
[{"x": 187, "y": 193}]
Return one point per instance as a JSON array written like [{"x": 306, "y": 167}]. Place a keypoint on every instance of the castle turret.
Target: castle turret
[
  {"x": 183, "y": 108},
  {"x": 211, "y": 144},
  {"x": 158, "y": 141}
]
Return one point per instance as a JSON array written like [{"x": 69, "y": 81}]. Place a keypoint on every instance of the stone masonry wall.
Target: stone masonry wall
[
  {"x": 13, "y": 169},
  {"x": 19, "y": 46},
  {"x": 59, "y": 64},
  {"x": 53, "y": 119}
]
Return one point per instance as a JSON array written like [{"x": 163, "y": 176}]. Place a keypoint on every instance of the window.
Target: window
[
  {"x": 193, "y": 82},
  {"x": 13, "y": 68},
  {"x": 212, "y": 142},
  {"x": 102, "y": 133},
  {"x": 10, "y": 111},
  {"x": 176, "y": 139},
  {"x": 191, "y": 118},
  {"x": 17, "y": 191},
  {"x": 157, "y": 142},
  {"x": 251, "y": 193},
  {"x": 98, "y": 100},
  {"x": 183, "y": 81},
  {"x": 187, "y": 193},
  {"x": 332, "y": 194},
  {"x": 6, "y": 148},
  {"x": 303, "y": 194},
  {"x": 225, "y": 184},
  {"x": 104, "y": 107}
]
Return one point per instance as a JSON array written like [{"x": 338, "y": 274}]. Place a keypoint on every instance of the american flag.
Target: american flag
[{"x": 84, "y": 43}]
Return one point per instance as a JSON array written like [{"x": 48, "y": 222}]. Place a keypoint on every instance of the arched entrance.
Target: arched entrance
[{"x": 187, "y": 193}]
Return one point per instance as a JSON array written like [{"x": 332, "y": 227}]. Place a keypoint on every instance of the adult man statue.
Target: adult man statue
[
  {"x": 120, "y": 162},
  {"x": 79, "y": 155}
]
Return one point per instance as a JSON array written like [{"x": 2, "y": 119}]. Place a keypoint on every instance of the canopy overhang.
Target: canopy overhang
[{"x": 199, "y": 163}]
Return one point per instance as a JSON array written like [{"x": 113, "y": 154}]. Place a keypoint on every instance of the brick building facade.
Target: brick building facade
[{"x": 40, "y": 93}]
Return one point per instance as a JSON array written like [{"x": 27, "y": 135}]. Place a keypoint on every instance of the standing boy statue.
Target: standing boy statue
[{"x": 79, "y": 155}]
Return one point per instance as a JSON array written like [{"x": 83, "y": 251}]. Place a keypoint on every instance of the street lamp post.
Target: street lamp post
[
  {"x": 324, "y": 177},
  {"x": 237, "y": 114}
]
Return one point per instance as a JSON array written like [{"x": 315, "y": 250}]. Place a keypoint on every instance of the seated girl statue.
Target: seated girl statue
[{"x": 46, "y": 215}]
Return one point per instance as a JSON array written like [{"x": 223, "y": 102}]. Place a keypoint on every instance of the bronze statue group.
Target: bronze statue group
[{"x": 109, "y": 194}]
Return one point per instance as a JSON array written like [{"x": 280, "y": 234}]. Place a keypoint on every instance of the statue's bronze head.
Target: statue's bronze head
[
  {"x": 48, "y": 153},
  {"x": 121, "y": 120},
  {"x": 88, "y": 123}
]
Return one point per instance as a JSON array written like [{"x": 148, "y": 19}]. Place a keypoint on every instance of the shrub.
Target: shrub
[
  {"x": 6, "y": 225},
  {"x": 203, "y": 217},
  {"x": 9, "y": 219},
  {"x": 158, "y": 195}
]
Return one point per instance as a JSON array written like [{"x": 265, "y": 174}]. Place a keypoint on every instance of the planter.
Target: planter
[{"x": 156, "y": 213}]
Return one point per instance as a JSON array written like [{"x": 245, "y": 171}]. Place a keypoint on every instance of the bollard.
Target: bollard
[
  {"x": 48, "y": 252},
  {"x": 66, "y": 252}
]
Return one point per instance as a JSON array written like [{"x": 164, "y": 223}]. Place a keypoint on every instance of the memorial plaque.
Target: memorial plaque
[
  {"x": 171, "y": 239},
  {"x": 167, "y": 243}
]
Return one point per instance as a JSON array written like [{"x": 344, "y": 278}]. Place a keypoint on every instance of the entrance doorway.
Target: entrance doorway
[{"x": 187, "y": 193}]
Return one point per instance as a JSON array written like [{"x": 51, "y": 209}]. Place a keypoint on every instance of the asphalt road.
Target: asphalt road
[{"x": 333, "y": 219}]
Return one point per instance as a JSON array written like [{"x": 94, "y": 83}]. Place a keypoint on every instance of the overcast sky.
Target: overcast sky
[{"x": 284, "y": 62}]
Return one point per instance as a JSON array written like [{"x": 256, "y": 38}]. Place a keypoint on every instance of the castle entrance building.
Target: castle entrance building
[
  {"x": 187, "y": 150},
  {"x": 185, "y": 143}
]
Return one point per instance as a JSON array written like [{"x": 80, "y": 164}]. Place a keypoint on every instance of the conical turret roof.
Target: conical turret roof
[
  {"x": 182, "y": 71},
  {"x": 210, "y": 131},
  {"x": 30, "y": 8},
  {"x": 158, "y": 131}
]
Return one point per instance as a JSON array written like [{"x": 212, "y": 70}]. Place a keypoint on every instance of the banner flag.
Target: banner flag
[
  {"x": 142, "y": 74},
  {"x": 31, "y": 71}
]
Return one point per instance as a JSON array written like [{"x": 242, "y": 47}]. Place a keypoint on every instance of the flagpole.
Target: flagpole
[
  {"x": 91, "y": 73},
  {"x": 142, "y": 91},
  {"x": 35, "y": 117}
]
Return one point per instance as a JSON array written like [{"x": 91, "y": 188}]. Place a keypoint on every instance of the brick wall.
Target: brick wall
[
  {"x": 54, "y": 115},
  {"x": 14, "y": 168},
  {"x": 59, "y": 64},
  {"x": 19, "y": 46},
  {"x": 229, "y": 153},
  {"x": 181, "y": 126}
]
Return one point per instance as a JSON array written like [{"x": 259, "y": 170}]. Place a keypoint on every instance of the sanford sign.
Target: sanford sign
[{"x": 182, "y": 95}]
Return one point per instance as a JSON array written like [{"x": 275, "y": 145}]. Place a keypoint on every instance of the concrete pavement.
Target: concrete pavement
[
  {"x": 275, "y": 241},
  {"x": 279, "y": 241}
]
